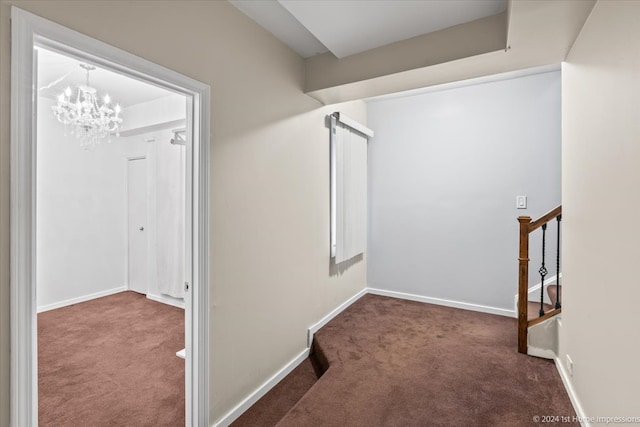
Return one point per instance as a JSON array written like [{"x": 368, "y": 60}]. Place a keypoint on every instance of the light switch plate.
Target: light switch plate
[{"x": 521, "y": 202}]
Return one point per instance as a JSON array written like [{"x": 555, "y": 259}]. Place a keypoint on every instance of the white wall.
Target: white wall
[
  {"x": 81, "y": 217},
  {"x": 82, "y": 199},
  {"x": 444, "y": 171},
  {"x": 600, "y": 176},
  {"x": 166, "y": 111}
]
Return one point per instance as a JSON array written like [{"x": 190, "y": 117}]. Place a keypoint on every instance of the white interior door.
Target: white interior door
[{"x": 137, "y": 224}]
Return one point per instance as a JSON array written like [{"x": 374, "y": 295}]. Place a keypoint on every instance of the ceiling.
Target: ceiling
[
  {"x": 57, "y": 72},
  {"x": 348, "y": 27}
]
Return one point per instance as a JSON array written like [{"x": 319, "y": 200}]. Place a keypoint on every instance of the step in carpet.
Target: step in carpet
[{"x": 393, "y": 362}]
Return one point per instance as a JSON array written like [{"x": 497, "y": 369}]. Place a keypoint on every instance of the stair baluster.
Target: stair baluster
[
  {"x": 527, "y": 226},
  {"x": 558, "y": 305},
  {"x": 543, "y": 269}
]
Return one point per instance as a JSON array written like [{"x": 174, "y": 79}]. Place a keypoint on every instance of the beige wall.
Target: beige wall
[
  {"x": 539, "y": 33},
  {"x": 270, "y": 272},
  {"x": 601, "y": 173},
  {"x": 473, "y": 38}
]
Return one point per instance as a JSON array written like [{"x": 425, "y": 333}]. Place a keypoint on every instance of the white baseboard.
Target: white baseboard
[
  {"x": 445, "y": 302},
  {"x": 326, "y": 319},
  {"x": 166, "y": 299},
  {"x": 232, "y": 415},
  {"x": 83, "y": 298},
  {"x": 568, "y": 385}
]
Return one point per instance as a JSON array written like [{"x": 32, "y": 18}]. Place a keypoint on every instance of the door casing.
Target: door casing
[{"x": 28, "y": 31}]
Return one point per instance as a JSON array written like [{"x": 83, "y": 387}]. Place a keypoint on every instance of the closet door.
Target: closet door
[{"x": 137, "y": 223}]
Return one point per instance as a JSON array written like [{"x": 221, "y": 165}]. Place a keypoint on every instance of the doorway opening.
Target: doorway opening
[
  {"x": 110, "y": 214},
  {"x": 30, "y": 33}
]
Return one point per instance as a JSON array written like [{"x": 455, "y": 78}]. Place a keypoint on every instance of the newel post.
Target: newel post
[{"x": 523, "y": 283}]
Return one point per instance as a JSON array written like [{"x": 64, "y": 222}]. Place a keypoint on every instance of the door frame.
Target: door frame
[{"x": 29, "y": 30}]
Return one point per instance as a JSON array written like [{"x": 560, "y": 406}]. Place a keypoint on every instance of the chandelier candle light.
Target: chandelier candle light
[{"x": 90, "y": 122}]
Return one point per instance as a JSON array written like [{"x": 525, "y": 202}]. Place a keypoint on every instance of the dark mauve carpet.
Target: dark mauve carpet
[
  {"x": 276, "y": 403},
  {"x": 110, "y": 362},
  {"x": 391, "y": 362}
]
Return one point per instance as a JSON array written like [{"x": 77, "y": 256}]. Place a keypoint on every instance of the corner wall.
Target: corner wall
[
  {"x": 445, "y": 168},
  {"x": 271, "y": 276},
  {"x": 600, "y": 176},
  {"x": 81, "y": 221},
  {"x": 82, "y": 243}
]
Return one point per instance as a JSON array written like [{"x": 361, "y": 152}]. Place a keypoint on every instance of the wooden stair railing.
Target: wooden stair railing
[{"x": 527, "y": 226}]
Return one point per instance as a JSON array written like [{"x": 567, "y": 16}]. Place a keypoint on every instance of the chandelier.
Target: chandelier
[{"x": 90, "y": 122}]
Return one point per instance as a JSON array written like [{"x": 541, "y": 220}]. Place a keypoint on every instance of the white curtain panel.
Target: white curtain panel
[
  {"x": 351, "y": 192},
  {"x": 170, "y": 202}
]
